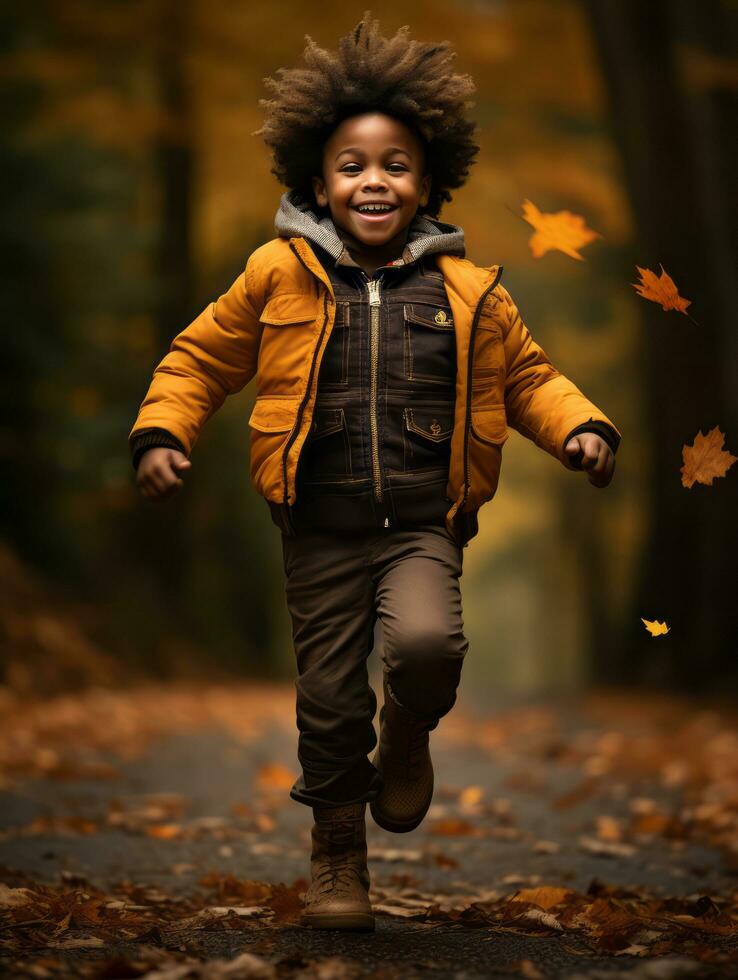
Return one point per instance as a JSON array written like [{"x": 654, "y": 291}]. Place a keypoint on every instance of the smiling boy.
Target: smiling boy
[
  {"x": 373, "y": 183},
  {"x": 388, "y": 368}
]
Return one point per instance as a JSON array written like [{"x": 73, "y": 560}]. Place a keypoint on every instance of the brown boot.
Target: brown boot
[
  {"x": 338, "y": 896},
  {"x": 404, "y": 758}
]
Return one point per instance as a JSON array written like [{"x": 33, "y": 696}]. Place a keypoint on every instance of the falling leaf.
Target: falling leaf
[
  {"x": 562, "y": 230},
  {"x": 705, "y": 458},
  {"x": 660, "y": 289},
  {"x": 654, "y": 627}
]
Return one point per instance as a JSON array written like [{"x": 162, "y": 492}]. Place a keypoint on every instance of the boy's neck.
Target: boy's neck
[{"x": 373, "y": 257}]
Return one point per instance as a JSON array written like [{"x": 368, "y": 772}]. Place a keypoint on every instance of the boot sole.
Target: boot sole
[
  {"x": 396, "y": 828},
  {"x": 385, "y": 822},
  {"x": 360, "y": 921}
]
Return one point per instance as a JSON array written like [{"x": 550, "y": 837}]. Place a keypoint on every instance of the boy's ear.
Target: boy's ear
[
  {"x": 319, "y": 190},
  {"x": 425, "y": 186}
]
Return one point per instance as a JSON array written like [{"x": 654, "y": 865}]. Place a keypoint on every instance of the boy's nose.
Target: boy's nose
[{"x": 374, "y": 180}]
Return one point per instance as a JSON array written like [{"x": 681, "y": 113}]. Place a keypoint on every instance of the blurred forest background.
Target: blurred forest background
[{"x": 134, "y": 193}]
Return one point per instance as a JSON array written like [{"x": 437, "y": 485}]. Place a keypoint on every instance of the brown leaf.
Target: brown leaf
[
  {"x": 545, "y": 898},
  {"x": 705, "y": 458},
  {"x": 660, "y": 289}
]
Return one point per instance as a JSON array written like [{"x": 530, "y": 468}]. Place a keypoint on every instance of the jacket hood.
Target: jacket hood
[{"x": 300, "y": 218}]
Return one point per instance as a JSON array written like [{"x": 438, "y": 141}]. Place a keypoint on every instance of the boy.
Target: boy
[{"x": 387, "y": 368}]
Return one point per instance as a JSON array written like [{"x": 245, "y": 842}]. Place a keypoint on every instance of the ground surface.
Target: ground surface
[{"x": 150, "y": 833}]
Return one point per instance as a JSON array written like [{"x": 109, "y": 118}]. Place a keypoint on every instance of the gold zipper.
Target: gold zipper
[{"x": 374, "y": 285}]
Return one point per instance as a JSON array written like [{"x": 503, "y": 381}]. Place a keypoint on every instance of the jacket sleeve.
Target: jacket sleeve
[
  {"x": 215, "y": 356},
  {"x": 541, "y": 403},
  {"x": 146, "y": 439}
]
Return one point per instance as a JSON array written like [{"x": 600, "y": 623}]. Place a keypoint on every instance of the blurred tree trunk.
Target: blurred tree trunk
[
  {"x": 173, "y": 157},
  {"x": 668, "y": 66}
]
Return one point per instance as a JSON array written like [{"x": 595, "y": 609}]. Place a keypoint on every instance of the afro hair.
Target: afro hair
[{"x": 406, "y": 79}]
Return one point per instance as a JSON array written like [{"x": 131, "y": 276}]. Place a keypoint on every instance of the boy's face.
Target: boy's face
[{"x": 372, "y": 159}]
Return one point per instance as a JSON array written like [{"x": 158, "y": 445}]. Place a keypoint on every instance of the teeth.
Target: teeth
[{"x": 374, "y": 207}]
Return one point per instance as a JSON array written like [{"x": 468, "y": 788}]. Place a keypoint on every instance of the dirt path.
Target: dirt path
[{"x": 150, "y": 833}]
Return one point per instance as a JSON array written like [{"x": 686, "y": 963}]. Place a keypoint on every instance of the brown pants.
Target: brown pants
[{"x": 336, "y": 587}]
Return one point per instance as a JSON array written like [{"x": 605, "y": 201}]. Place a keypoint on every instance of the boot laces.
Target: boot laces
[{"x": 341, "y": 870}]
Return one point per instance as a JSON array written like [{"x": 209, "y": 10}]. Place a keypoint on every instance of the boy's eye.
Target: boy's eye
[
  {"x": 400, "y": 165},
  {"x": 345, "y": 169}
]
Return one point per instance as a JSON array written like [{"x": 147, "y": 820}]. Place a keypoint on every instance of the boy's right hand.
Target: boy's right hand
[{"x": 158, "y": 472}]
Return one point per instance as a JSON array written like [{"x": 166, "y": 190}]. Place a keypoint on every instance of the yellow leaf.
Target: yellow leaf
[
  {"x": 705, "y": 458},
  {"x": 562, "y": 230},
  {"x": 654, "y": 627},
  {"x": 660, "y": 289}
]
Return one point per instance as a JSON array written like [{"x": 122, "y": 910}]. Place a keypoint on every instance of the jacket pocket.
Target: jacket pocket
[
  {"x": 287, "y": 340},
  {"x": 288, "y": 309},
  {"x": 429, "y": 343},
  {"x": 326, "y": 455},
  {"x": 427, "y": 435},
  {"x": 271, "y": 423},
  {"x": 489, "y": 432},
  {"x": 490, "y": 424}
]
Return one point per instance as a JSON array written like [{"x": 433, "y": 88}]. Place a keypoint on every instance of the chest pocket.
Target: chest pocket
[
  {"x": 429, "y": 343},
  {"x": 334, "y": 368},
  {"x": 427, "y": 436},
  {"x": 288, "y": 334}
]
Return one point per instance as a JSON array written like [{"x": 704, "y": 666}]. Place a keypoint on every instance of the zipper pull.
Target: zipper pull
[
  {"x": 386, "y": 522},
  {"x": 374, "y": 286}
]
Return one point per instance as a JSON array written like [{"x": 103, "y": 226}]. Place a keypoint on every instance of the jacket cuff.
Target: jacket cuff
[
  {"x": 602, "y": 429},
  {"x": 147, "y": 439}
]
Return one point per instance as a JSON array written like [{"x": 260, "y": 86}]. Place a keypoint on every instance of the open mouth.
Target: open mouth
[{"x": 374, "y": 212}]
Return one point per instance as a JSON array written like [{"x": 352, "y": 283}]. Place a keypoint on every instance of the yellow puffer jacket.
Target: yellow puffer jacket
[{"x": 274, "y": 323}]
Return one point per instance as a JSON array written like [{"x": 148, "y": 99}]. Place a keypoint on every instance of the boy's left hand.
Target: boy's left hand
[{"x": 598, "y": 460}]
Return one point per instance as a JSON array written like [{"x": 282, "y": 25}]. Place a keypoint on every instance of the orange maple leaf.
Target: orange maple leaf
[
  {"x": 654, "y": 627},
  {"x": 562, "y": 230},
  {"x": 705, "y": 458},
  {"x": 660, "y": 289}
]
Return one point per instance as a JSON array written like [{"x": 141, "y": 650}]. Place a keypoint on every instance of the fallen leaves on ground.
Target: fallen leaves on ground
[{"x": 639, "y": 771}]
